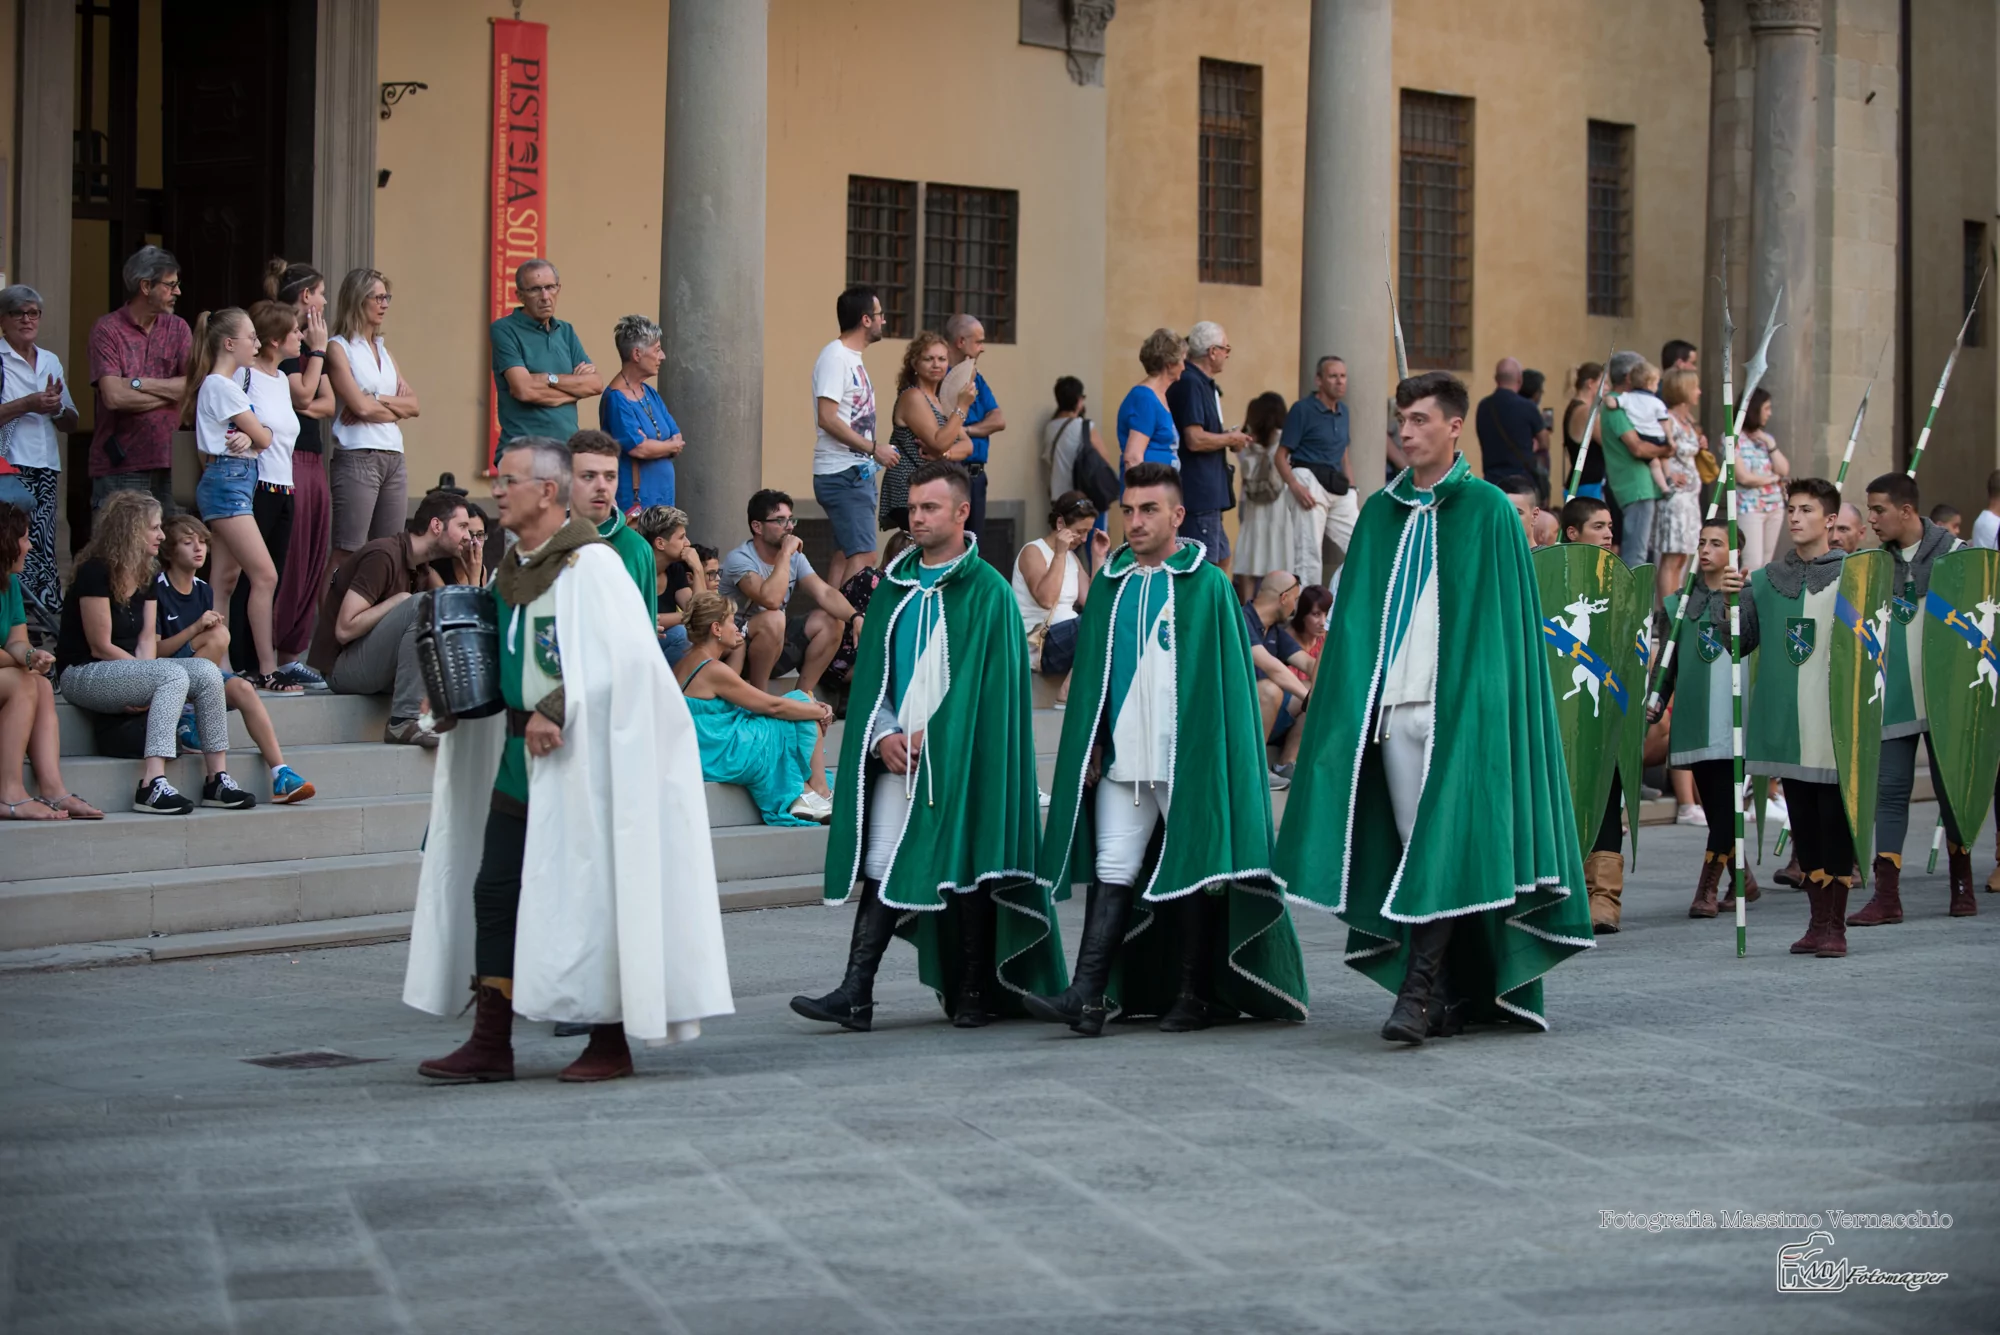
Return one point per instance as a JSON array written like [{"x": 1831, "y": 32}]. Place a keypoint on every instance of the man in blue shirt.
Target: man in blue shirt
[
  {"x": 540, "y": 370},
  {"x": 1312, "y": 460},
  {"x": 984, "y": 420},
  {"x": 1513, "y": 438},
  {"x": 1196, "y": 404}
]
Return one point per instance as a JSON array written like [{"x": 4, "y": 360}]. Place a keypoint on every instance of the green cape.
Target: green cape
[
  {"x": 1218, "y": 832},
  {"x": 1496, "y": 838},
  {"x": 977, "y": 818}
]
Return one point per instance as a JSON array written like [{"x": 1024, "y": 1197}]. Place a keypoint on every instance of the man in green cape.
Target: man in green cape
[
  {"x": 1431, "y": 762},
  {"x": 1162, "y": 794},
  {"x": 935, "y": 811}
]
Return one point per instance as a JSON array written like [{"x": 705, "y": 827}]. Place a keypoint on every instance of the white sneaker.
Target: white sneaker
[
  {"x": 809, "y": 805},
  {"x": 1690, "y": 815},
  {"x": 1043, "y": 796}
]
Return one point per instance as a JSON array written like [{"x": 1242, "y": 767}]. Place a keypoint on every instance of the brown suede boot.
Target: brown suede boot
[
  {"x": 489, "y": 1054},
  {"x": 1604, "y": 876},
  {"x": 1752, "y": 892},
  {"x": 1819, "y": 899},
  {"x": 605, "y": 1057},
  {"x": 1833, "y": 945},
  {"x": 1886, "y": 905},
  {"x": 1964, "y": 904},
  {"x": 1712, "y": 867}
]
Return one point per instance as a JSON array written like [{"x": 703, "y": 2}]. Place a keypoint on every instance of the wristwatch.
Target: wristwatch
[
  {"x": 135, "y": 382},
  {"x": 554, "y": 379}
]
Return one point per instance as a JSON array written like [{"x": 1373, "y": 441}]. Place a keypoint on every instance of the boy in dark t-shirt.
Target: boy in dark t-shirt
[{"x": 188, "y": 626}]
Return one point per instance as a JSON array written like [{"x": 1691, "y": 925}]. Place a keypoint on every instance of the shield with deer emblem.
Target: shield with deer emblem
[
  {"x": 1961, "y": 661},
  {"x": 1593, "y": 610}
]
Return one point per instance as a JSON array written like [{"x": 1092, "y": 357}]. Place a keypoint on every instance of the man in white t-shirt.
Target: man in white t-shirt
[
  {"x": 845, "y": 448},
  {"x": 1986, "y": 524}
]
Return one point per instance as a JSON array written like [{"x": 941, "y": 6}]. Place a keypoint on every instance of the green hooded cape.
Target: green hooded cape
[
  {"x": 1496, "y": 841},
  {"x": 977, "y": 817},
  {"x": 1218, "y": 832}
]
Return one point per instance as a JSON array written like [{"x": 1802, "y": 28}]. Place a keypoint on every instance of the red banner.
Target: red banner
[{"x": 520, "y": 198}]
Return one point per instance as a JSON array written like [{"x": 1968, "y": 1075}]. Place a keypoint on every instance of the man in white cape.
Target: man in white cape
[{"x": 568, "y": 870}]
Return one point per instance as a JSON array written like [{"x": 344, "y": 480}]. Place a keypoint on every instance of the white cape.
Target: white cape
[{"x": 619, "y": 915}]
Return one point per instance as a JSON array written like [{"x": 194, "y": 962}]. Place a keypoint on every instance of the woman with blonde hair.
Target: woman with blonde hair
[
  {"x": 302, "y": 569},
  {"x": 771, "y": 745},
  {"x": 105, "y": 657},
  {"x": 924, "y": 430},
  {"x": 1146, "y": 430},
  {"x": 1677, "y": 518},
  {"x": 370, "y": 488}
]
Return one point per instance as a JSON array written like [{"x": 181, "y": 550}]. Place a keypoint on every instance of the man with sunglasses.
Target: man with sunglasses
[
  {"x": 138, "y": 362},
  {"x": 760, "y": 576},
  {"x": 540, "y": 370}
]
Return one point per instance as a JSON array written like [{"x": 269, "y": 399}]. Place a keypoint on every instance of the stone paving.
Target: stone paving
[{"x": 776, "y": 1178}]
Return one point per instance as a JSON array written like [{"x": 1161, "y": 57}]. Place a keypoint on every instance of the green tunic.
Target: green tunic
[
  {"x": 1786, "y": 699},
  {"x": 975, "y": 822},
  {"x": 1495, "y": 842},
  {"x": 530, "y": 648},
  {"x": 1704, "y": 722},
  {"x": 1218, "y": 829},
  {"x": 636, "y": 553}
]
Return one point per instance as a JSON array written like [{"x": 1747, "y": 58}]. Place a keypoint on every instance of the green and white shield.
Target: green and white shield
[
  {"x": 1592, "y": 610},
  {"x": 1962, "y": 679},
  {"x": 1637, "y": 669},
  {"x": 1855, "y": 689}
]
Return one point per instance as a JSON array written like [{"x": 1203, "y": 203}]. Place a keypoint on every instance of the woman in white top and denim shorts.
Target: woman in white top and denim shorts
[{"x": 366, "y": 476}]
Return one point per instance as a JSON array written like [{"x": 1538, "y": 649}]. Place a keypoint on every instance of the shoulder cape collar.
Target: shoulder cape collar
[
  {"x": 1191, "y": 553},
  {"x": 1788, "y": 574},
  {"x": 1404, "y": 489},
  {"x": 521, "y": 582},
  {"x": 903, "y": 570},
  {"x": 1935, "y": 542}
]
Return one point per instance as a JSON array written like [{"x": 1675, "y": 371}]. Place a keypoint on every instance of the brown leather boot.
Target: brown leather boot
[
  {"x": 1791, "y": 874},
  {"x": 1964, "y": 904},
  {"x": 1752, "y": 892},
  {"x": 605, "y": 1057},
  {"x": 1886, "y": 905},
  {"x": 489, "y": 1054},
  {"x": 1604, "y": 876},
  {"x": 1712, "y": 867},
  {"x": 1817, "y": 897},
  {"x": 1833, "y": 945}
]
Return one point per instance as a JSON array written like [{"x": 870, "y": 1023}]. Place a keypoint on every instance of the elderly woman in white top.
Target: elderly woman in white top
[
  {"x": 35, "y": 406},
  {"x": 1051, "y": 583},
  {"x": 370, "y": 489}
]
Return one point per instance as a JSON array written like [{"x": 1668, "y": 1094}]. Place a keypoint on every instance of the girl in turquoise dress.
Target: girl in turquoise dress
[{"x": 770, "y": 745}]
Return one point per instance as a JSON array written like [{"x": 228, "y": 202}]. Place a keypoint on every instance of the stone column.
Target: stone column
[
  {"x": 712, "y": 254},
  {"x": 1349, "y": 200},
  {"x": 1784, "y": 221},
  {"x": 347, "y": 102},
  {"x": 1729, "y": 79},
  {"x": 47, "y": 115}
]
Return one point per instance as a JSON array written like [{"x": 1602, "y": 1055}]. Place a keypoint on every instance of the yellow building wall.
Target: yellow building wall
[{"x": 10, "y": 93}]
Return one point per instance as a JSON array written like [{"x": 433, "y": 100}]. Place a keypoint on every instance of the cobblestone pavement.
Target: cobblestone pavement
[{"x": 773, "y": 1177}]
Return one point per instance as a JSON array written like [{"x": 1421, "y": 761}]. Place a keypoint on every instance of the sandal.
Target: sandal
[
  {"x": 13, "y": 809},
  {"x": 272, "y": 684},
  {"x": 82, "y": 810}
]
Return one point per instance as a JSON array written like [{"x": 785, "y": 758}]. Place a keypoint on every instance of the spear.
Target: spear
[
  {"x": 1590, "y": 425},
  {"x": 1950, "y": 362},
  {"x": 1859, "y": 413},
  {"x": 1395, "y": 320}
]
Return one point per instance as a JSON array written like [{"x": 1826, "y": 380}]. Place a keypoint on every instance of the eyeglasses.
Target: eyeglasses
[
  {"x": 1222, "y": 347},
  {"x": 785, "y": 521},
  {"x": 545, "y": 290},
  {"x": 503, "y": 481},
  {"x": 30, "y": 314},
  {"x": 384, "y": 297}
]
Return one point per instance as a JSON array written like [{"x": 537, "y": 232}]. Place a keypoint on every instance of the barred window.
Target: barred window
[
  {"x": 1609, "y": 220},
  {"x": 1231, "y": 149},
  {"x": 1435, "y": 262},
  {"x": 882, "y": 245},
  {"x": 969, "y": 256},
  {"x": 1974, "y": 266}
]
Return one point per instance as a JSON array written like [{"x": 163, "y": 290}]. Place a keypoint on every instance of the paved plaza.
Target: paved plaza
[{"x": 774, "y": 1177}]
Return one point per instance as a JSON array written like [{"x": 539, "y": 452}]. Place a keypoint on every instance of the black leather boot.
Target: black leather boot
[
  {"x": 1411, "y": 1017},
  {"x": 976, "y": 984},
  {"x": 1192, "y": 1008},
  {"x": 852, "y": 1004},
  {"x": 1082, "y": 1005}
]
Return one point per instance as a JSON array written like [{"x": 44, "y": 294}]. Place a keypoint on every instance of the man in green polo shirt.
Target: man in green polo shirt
[
  {"x": 540, "y": 370},
  {"x": 1625, "y": 468},
  {"x": 593, "y": 495}
]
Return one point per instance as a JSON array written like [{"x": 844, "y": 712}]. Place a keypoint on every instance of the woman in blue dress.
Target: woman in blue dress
[
  {"x": 771, "y": 745},
  {"x": 1146, "y": 431},
  {"x": 633, "y": 414}
]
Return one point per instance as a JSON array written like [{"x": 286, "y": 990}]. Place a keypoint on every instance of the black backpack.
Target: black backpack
[{"x": 1092, "y": 476}]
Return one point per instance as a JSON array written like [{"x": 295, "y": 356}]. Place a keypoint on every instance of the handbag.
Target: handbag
[
  {"x": 1261, "y": 483},
  {"x": 1091, "y": 475},
  {"x": 1706, "y": 466}
]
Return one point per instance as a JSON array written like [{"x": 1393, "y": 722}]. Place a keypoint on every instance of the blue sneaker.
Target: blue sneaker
[
  {"x": 288, "y": 786},
  {"x": 189, "y": 738}
]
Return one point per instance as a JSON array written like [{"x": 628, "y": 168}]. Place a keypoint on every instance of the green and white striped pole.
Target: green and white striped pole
[
  {"x": 1860, "y": 413},
  {"x": 1395, "y": 320},
  {"x": 1950, "y": 362}
]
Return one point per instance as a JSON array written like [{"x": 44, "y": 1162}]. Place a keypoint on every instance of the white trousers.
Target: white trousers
[
  {"x": 1126, "y": 815},
  {"x": 1332, "y": 518},
  {"x": 888, "y": 810},
  {"x": 1404, "y": 734}
]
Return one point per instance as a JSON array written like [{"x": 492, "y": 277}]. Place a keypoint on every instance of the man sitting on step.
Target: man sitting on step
[{"x": 366, "y": 640}]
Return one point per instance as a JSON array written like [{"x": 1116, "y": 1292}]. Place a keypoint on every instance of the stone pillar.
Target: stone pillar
[
  {"x": 47, "y": 116},
  {"x": 1729, "y": 83},
  {"x": 1349, "y": 200},
  {"x": 1784, "y": 222},
  {"x": 712, "y": 254},
  {"x": 347, "y": 101}
]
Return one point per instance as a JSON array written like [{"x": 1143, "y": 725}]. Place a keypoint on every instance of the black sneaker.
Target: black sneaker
[
  {"x": 221, "y": 791},
  {"x": 156, "y": 797}
]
